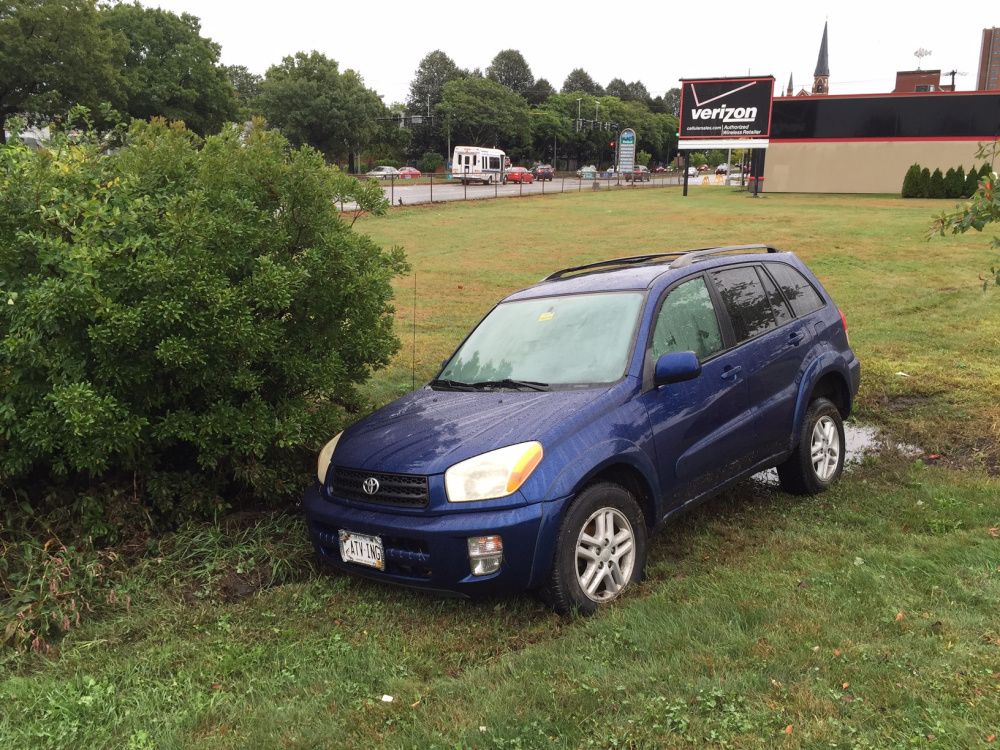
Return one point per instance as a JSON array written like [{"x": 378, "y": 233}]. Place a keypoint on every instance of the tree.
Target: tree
[
  {"x": 481, "y": 112},
  {"x": 53, "y": 55},
  {"x": 510, "y": 69},
  {"x": 247, "y": 88},
  {"x": 672, "y": 102},
  {"x": 186, "y": 319},
  {"x": 617, "y": 87},
  {"x": 580, "y": 80},
  {"x": 982, "y": 209},
  {"x": 936, "y": 187},
  {"x": 971, "y": 182},
  {"x": 541, "y": 91},
  {"x": 313, "y": 103},
  {"x": 427, "y": 86},
  {"x": 171, "y": 70},
  {"x": 911, "y": 182},
  {"x": 924, "y": 185}
]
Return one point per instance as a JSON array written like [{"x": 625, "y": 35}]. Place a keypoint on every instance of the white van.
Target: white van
[{"x": 475, "y": 164}]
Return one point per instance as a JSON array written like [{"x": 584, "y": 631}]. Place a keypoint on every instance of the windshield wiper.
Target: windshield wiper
[
  {"x": 508, "y": 383},
  {"x": 452, "y": 385}
]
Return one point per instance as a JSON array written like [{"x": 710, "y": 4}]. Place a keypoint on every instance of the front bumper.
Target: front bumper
[{"x": 430, "y": 551}]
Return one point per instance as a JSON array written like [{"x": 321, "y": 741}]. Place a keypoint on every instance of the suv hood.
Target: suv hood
[{"x": 427, "y": 431}]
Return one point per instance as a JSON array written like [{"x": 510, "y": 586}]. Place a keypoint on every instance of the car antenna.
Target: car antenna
[{"x": 413, "y": 354}]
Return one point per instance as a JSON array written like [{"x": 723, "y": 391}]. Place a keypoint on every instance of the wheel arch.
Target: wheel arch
[{"x": 823, "y": 379}]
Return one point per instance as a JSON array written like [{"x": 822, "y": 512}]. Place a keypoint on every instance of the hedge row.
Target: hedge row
[{"x": 921, "y": 183}]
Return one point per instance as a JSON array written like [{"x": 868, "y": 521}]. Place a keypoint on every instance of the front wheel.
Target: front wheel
[
  {"x": 818, "y": 459},
  {"x": 600, "y": 550}
]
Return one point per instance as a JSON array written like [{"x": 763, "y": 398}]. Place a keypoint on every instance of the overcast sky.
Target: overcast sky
[{"x": 654, "y": 42}]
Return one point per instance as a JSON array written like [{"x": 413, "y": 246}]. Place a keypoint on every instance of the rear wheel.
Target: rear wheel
[
  {"x": 818, "y": 459},
  {"x": 600, "y": 550}
]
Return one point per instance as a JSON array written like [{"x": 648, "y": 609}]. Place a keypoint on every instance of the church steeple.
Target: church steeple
[
  {"x": 821, "y": 78},
  {"x": 790, "y": 90}
]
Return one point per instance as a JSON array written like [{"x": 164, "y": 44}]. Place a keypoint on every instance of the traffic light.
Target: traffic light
[{"x": 612, "y": 144}]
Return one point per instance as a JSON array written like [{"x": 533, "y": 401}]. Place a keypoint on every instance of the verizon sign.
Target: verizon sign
[{"x": 725, "y": 108}]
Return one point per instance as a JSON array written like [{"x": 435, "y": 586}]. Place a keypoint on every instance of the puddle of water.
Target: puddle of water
[{"x": 861, "y": 440}]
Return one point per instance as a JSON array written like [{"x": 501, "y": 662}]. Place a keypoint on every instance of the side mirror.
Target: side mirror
[
  {"x": 444, "y": 362},
  {"x": 676, "y": 367}
]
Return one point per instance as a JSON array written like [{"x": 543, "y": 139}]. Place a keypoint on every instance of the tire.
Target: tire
[
  {"x": 594, "y": 562},
  {"x": 489, "y": 181},
  {"x": 818, "y": 459},
  {"x": 504, "y": 180}
]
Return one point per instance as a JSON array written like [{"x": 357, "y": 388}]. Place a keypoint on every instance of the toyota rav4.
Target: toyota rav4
[{"x": 582, "y": 414}]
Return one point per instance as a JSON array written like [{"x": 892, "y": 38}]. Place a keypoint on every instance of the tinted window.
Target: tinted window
[
  {"x": 687, "y": 322},
  {"x": 743, "y": 295},
  {"x": 799, "y": 292},
  {"x": 778, "y": 305}
]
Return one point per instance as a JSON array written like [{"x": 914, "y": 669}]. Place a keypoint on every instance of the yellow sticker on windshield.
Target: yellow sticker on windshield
[{"x": 546, "y": 316}]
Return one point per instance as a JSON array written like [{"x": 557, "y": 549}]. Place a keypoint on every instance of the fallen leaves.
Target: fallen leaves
[
  {"x": 788, "y": 729},
  {"x": 899, "y": 617}
]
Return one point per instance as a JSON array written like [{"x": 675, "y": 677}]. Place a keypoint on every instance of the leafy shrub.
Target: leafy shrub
[
  {"x": 186, "y": 319},
  {"x": 430, "y": 161},
  {"x": 952, "y": 187},
  {"x": 971, "y": 182},
  {"x": 959, "y": 182},
  {"x": 936, "y": 187},
  {"x": 911, "y": 182},
  {"x": 924, "y": 186}
]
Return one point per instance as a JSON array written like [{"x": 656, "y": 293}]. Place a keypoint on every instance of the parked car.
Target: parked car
[
  {"x": 580, "y": 415},
  {"x": 587, "y": 172},
  {"x": 543, "y": 172},
  {"x": 726, "y": 169},
  {"x": 639, "y": 174},
  {"x": 692, "y": 172},
  {"x": 383, "y": 173},
  {"x": 703, "y": 168},
  {"x": 517, "y": 174},
  {"x": 409, "y": 173},
  {"x": 660, "y": 169}
]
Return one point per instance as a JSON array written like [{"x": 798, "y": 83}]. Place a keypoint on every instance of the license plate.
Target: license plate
[{"x": 361, "y": 549}]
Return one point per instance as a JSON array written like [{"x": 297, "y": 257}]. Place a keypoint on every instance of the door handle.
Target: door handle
[
  {"x": 731, "y": 372},
  {"x": 795, "y": 338}
]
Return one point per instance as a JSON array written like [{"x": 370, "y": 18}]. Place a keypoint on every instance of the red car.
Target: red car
[
  {"x": 517, "y": 174},
  {"x": 409, "y": 173}
]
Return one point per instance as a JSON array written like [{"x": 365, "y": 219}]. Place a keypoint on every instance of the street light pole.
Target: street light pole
[{"x": 578, "y": 107}]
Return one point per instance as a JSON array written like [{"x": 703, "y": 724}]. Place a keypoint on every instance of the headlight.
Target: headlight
[
  {"x": 323, "y": 465},
  {"x": 495, "y": 474}
]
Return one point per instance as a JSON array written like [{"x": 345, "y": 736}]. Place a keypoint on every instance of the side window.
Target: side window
[
  {"x": 798, "y": 291},
  {"x": 778, "y": 305},
  {"x": 687, "y": 322},
  {"x": 743, "y": 295}
]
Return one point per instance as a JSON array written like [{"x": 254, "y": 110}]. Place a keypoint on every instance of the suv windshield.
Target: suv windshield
[{"x": 581, "y": 339}]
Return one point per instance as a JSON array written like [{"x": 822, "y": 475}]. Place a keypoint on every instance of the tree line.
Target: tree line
[{"x": 148, "y": 62}]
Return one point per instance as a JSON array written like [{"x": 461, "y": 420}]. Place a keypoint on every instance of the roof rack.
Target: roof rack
[
  {"x": 683, "y": 258},
  {"x": 608, "y": 264},
  {"x": 690, "y": 257}
]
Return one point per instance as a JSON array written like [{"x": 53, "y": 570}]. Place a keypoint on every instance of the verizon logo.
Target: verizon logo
[{"x": 726, "y": 114}]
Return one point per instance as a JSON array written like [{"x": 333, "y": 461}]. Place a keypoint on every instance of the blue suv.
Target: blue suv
[{"x": 583, "y": 413}]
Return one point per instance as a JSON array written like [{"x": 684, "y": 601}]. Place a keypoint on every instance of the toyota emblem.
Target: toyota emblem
[{"x": 370, "y": 486}]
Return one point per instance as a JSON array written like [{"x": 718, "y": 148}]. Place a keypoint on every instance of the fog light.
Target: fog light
[{"x": 485, "y": 554}]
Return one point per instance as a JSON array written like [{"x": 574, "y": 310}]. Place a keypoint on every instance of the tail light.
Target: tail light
[{"x": 844, "y": 321}]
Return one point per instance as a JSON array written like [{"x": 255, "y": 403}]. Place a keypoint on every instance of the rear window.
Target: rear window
[{"x": 801, "y": 295}]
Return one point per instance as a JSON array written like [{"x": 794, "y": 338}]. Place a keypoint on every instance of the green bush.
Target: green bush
[
  {"x": 430, "y": 161},
  {"x": 936, "y": 188},
  {"x": 960, "y": 181},
  {"x": 911, "y": 182},
  {"x": 952, "y": 186},
  {"x": 924, "y": 186},
  {"x": 971, "y": 182},
  {"x": 183, "y": 321}
]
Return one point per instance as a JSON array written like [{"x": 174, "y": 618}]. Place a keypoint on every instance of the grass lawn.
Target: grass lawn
[{"x": 868, "y": 617}]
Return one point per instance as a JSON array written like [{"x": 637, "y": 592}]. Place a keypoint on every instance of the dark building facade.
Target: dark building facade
[{"x": 865, "y": 144}]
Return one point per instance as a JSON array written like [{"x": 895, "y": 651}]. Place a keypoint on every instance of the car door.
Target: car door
[
  {"x": 774, "y": 342},
  {"x": 702, "y": 428}
]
